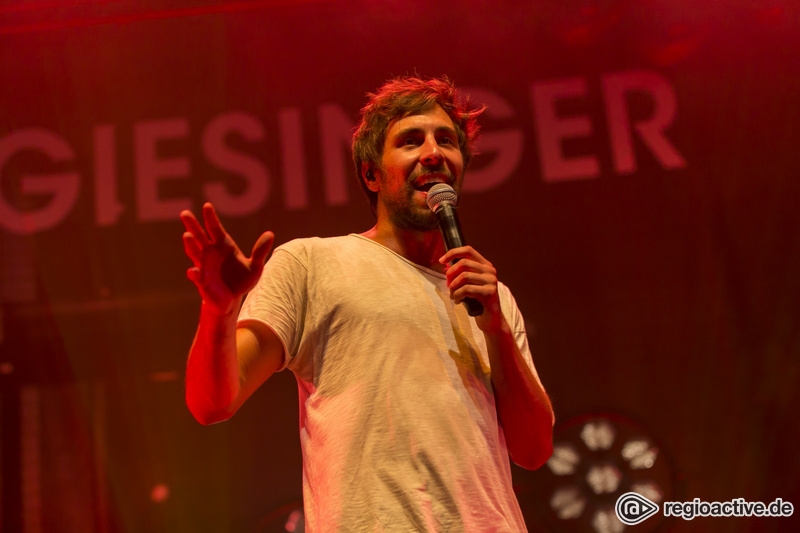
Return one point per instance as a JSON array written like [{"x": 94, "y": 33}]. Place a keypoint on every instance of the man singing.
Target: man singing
[{"x": 409, "y": 407}]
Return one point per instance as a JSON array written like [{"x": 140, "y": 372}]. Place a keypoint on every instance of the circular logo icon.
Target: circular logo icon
[{"x": 633, "y": 508}]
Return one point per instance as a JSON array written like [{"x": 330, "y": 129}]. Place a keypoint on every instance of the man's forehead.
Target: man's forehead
[{"x": 435, "y": 117}]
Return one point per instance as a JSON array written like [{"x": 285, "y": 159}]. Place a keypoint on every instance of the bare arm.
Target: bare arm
[
  {"x": 523, "y": 407},
  {"x": 226, "y": 365},
  {"x": 522, "y": 404}
]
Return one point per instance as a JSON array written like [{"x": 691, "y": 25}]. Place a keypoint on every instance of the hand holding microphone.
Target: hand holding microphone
[{"x": 442, "y": 200}]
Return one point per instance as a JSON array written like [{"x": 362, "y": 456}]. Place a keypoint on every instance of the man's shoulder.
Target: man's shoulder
[
  {"x": 310, "y": 243},
  {"x": 306, "y": 247}
]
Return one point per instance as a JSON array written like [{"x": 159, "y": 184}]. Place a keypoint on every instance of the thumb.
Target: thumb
[
  {"x": 194, "y": 275},
  {"x": 262, "y": 247}
]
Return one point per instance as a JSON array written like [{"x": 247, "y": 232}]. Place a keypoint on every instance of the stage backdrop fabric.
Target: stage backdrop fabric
[{"x": 637, "y": 189}]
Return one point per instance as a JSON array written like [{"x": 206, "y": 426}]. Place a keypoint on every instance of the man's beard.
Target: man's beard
[
  {"x": 414, "y": 221},
  {"x": 407, "y": 215}
]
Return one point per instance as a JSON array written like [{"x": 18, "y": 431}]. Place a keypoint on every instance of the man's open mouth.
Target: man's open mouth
[{"x": 425, "y": 186}]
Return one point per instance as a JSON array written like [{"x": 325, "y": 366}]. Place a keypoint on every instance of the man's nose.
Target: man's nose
[{"x": 431, "y": 153}]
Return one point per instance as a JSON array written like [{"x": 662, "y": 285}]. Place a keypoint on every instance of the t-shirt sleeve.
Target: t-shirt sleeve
[
  {"x": 514, "y": 317},
  {"x": 279, "y": 299}
]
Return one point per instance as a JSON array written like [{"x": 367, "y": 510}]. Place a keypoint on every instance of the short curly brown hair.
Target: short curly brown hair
[{"x": 404, "y": 96}]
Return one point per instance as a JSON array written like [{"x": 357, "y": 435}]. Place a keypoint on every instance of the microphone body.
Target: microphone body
[{"x": 442, "y": 199}]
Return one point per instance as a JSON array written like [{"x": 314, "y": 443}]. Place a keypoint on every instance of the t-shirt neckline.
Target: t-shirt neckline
[{"x": 412, "y": 263}]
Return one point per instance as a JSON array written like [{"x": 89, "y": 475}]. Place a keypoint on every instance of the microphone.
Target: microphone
[{"x": 442, "y": 200}]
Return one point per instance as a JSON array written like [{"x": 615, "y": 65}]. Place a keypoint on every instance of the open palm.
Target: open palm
[{"x": 221, "y": 272}]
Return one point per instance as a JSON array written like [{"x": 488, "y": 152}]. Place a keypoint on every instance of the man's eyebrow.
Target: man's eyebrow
[{"x": 417, "y": 129}]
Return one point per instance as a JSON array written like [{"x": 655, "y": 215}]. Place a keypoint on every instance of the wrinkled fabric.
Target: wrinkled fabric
[{"x": 398, "y": 425}]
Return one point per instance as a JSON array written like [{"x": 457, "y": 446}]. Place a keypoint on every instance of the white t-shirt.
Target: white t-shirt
[{"x": 398, "y": 425}]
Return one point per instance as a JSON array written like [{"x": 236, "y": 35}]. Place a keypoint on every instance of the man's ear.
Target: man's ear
[{"x": 368, "y": 175}]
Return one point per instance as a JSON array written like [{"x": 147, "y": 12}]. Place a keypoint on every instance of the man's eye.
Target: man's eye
[
  {"x": 446, "y": 140},
  {"x": 409, "y": 141}
]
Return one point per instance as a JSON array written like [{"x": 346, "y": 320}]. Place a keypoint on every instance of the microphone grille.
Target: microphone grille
[{"x": 441, "y": 193}]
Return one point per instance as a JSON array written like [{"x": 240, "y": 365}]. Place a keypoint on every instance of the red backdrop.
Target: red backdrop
[{"x": 637, "y": 190}]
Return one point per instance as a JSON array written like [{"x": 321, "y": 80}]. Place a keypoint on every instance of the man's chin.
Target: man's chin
[{"x": 414, "y": 222}]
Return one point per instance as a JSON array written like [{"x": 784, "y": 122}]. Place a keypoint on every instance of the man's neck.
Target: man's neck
[{"x": 423, "y": 248}]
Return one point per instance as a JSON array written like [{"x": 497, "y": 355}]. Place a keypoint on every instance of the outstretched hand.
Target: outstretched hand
[{"x": 221, "y": 272}]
